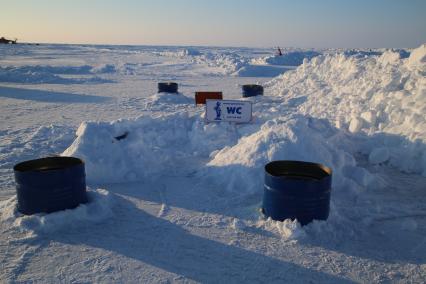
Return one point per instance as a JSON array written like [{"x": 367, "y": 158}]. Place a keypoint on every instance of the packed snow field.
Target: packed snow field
[{"x": 178, "y": 199}]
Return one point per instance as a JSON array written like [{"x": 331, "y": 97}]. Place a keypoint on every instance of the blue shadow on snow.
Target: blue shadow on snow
[{"x": 49, "y": 96}]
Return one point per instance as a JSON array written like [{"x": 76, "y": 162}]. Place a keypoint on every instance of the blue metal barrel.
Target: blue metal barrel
[
  {"x": 252, "y": 90},
  {"x": 297, "y": 190},
  {"x": 50, "y": 184},
  {"x": 167, "y": 87}
]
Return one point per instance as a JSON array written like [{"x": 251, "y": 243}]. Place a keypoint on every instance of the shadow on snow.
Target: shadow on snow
[
  {"x": 135, "y": 234},
  {"x": 49, "y": 96}
]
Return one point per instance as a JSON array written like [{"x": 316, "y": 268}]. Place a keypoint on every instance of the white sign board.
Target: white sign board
[{"x": 226, "y": 110}]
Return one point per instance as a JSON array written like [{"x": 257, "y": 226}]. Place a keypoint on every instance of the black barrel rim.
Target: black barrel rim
[
  {"x": 253, "y": 86},
  {"x": 168, "y": 87},
  {"x": 167, "y": 84},
  {"x": 47, "y": 164},
  {"x": 297, "y": 170},
  {"x": 251, "y": 90}
]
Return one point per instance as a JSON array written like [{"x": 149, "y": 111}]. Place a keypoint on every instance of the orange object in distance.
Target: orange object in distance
[{"x": 201, "y": 97}]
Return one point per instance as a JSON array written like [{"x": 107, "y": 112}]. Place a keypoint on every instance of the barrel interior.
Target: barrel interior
[
  {"x": 167, "y": 87},
  {"x": 168, "y": 84},
  {"x": 297, "y": 170},
  {"x": 47, "y": 164},
  {"x": 252, "y": 86},
  {"x": 251, "y": 90}
]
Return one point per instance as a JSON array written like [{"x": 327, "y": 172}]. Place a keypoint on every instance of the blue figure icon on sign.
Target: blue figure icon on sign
[{"x": 218, "y": 111}]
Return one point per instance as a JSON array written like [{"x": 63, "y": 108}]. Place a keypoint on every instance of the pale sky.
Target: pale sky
[{"x": 263, "y": 23}]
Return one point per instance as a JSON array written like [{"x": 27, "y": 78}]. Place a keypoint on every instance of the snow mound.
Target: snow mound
[
  {"x": 169, "y": 98},
  {"x": 103, "y": 69},
  {"x": 180, "y": 143},
  {"x": 228, "y": 62},
  {"x": 149, "y": 146},
  {"x": 49, "y": 74},
  {"x": 417, "y": 58},
  {"x": 287, "y": 230},
  {"x": 130, "y": 68},
  {"x": 380, "y": 98},
  {"x": 362, "y": 53},
  {"x": 286, "y": 138},
  {"x": 17, "y": 75},
  {"x": 260, "y": 71},
  {"x": 69, "y": 70},
  {"x": 180, "y": 53},
  {"x": 292, "y": 58},
  {"x": 166, "y": 102},
  {"x": 96, "y": 210}
]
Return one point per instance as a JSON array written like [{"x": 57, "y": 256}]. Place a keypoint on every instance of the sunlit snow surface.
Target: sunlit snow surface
[{"x": 178, "y": 200}]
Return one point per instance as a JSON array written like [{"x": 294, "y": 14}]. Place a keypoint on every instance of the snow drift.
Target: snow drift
[
  {"x": 96, "y": 210},
  {"x": 51, "y": 74},
  {"x": 377, "y": 102},
  {"x": 383, "y": 97},
  {"x": 289, "y": 58}
]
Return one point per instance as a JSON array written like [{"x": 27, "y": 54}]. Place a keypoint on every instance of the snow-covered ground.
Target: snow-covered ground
[{"x": 178, "y": 200}]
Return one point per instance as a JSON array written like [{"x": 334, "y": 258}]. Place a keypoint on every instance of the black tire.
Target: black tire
[
  {"x": 252, "y": 90},
  {"x": 167, "y": 87}
]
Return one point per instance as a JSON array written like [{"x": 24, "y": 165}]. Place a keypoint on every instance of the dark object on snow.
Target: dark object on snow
[
  {"x": 252, "y": 90},
  {"x": 7, "y": 41},
  {"x": 297, "y": 190},
  {"x": 201, "y": 97},
  {"x": 167, "y": 87},
  {"x": 50, "y": 184},
  {"x": 124, "y": 135}
]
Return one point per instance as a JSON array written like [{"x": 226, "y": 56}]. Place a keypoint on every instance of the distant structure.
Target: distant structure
[{"x": 7, "y": 41}]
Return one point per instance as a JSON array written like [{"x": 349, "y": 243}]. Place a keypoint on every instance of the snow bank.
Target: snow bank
[
  {"x": 96, "y": 210},
  {"x": 180, "y": 143},
  {"x": 180, "y": 53},
  {"x": 169, "y": 98},
  {"x": 381, "y": 99},
  {"x": 228, "y": 62},
  {"x": 374, "y": 52},
  {"x": 287, "y": 138},
  {"x": 237, "y": 65},
  {"x": 417, "y": 58},
  {"x": 152, "y": 146},
  {"x": 103, "y": 69},
  {"x": 291, "y": 58},
  {"x": 260, "y": 71},
  {"x": 49, "y": 74},
  {"x": 17, "y": 75}
]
